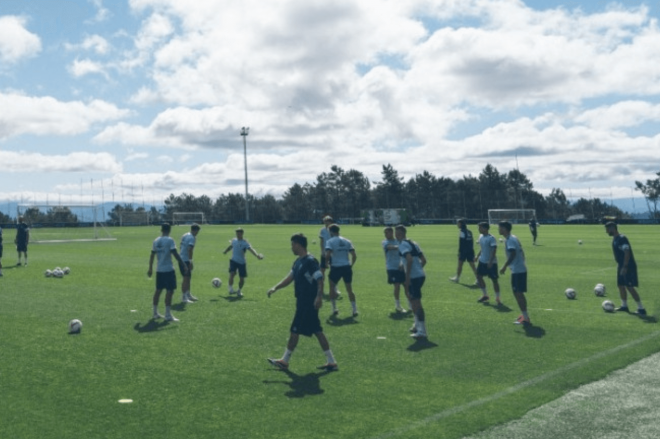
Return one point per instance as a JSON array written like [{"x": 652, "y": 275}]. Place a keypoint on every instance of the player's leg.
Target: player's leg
[
  {"x": 155, "y": 301},
  {"x": 416, "y": 305},
  {"x": 168, "y": 306},
  {"x": 230, "y": 282},
  {"x": 331, "y": 364},
  {"x": 496, "y": 288},
  {"x": 519, "y": 287},
  {"x": 459, "y": 270},
  {"x": 623, "y": 294}
]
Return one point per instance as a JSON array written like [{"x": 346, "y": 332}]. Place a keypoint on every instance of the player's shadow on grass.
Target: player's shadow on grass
[
  {"x": 421, "y": 344},
  {"x": 233, "y": 298},
  {"x": 499, "y": 308},
  {"x": 648, "y": 319},
  {"x": 396, "y": 315},
  {"x": 151, "y": 326},
  {"x": 534, "y": 331},
  {"x": 301, "y": 385},
  {"x": 179, "y": 307},
  {"x": 334, "y": 320}
]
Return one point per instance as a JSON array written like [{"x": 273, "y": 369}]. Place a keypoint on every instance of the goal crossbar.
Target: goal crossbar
[{"x": 58, "y": 223}]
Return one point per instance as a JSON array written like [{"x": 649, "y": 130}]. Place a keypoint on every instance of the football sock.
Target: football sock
[
  {"x": 484, "y": 292},
  {"x": 287, "y": 355},
  {"x": 397, "y": 303},
  {"x": 624, "y": 303},
  {"x": 525, "y": 315},
  {"x": 329, "y": 356},
  {"x": 167, "y": 310},
  {"x": 155, "y": 309},
  {"x": 354, "y": 305},
  {"x": 497, "y": 294},
  {"x": 639, "y": 303},
  {"x": 334, "y": 304},
  {"x": 421, "y": 327}
]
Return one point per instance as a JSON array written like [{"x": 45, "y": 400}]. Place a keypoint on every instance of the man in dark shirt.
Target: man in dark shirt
[
  {"x": 626, "y": 271},
  {"x": 308, "y": 280},
  {"x": 533, "y": 226},
  {"x": 22, "y": 239},
  {"x": 465, "y": 251}
]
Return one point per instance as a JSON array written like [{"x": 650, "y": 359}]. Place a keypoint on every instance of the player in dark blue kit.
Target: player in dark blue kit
[
  {"x": 533, "y": 228},
  {"x": 626, "y": 270},
  {"x": 465, "y": 251},
  {"x": 308, "y": 280},
  {"x": 22, "y": 240}
]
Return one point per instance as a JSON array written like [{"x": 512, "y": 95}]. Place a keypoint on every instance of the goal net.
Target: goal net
[
  {"x": 141, "y": 218},
  {"x": 514, "y": 216},
  {"x": 65, "y": 223},
  {"x": 179, "y": 218}
]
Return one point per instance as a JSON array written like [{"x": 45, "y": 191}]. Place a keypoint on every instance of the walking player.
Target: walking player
[
  {"x": 164, "y": 248},
  {"x": 516, "y": 263}
]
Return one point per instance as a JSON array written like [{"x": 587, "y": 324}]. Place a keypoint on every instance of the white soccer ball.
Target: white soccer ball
[
  {"x": 216, "y": 282},
  {"x": 570, "y": 293},
  {"x": 66, "y": 270},
  {"x": 579, "y": 242},
  {"x": 75, "y": 326},
  {"x": 599, "y": 290},
  {"x": 57, "y": 269},
  {"x": 48, "y": 273},
  {"x": 58, "y": 273},
  {"x": 608, "y": 306}
]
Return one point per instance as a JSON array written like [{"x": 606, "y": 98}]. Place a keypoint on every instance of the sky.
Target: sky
[{"x": 133, "y": 100}]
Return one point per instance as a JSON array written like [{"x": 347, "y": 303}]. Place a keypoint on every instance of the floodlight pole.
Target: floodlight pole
[{"x": 244, "y": 133}]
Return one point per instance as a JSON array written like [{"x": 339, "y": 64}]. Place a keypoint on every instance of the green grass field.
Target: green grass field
[{"x": 207, "y": 376}]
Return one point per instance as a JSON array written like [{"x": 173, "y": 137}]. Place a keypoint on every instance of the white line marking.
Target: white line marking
[{"x": 461, "y": 408}]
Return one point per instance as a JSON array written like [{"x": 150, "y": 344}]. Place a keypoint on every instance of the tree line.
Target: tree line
[{"x": 345, "y": 194}]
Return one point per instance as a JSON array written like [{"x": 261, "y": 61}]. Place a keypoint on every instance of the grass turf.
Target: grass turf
[{"x": 207, "y": 376}]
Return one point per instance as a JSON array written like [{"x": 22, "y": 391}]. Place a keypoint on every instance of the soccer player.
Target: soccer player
[
  {"x": 394, "y": 266},
  {"x": 487, "y": 263},
  {"x": 187, "y": 246},
  {"x": 324, "y": 236},
  {"x": 337, "y": 250},
  {"x": 626, "y": 271},
  {"x": 516, "y": 263},
  {"x": 22, "y": 239},
  {"x": 533, "y": 225},
  {"x": 308, "y": 288},
  {"x": 465, "y": 250},
  {"x": 164, "y": 248},
  {"x": 237, "y": 263},
  {"x": 414, "y": 262}
]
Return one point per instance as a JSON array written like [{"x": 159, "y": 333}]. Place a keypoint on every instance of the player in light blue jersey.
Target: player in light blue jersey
[
  {"x": 516, "y": 263},
  {"x": 187, "y": 247},
  {"x": 324, "y": 236},
  {"x": 237, "y": 263},
  {"x": 394, "y": 265},
  {"x": 487, "y": 263},
  {"x": 337, "y": 251},
  {"x": 164, "y": 248},
  {"x": 414, "y": 262}
]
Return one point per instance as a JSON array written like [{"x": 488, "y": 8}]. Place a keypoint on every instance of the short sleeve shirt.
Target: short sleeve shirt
[
  {"x": 340, "y": 248},
  {"x": 619, "y": 246},
  {"x": 22, "y": 232},
  {"x": 487, "y": 244},
  {"x": 465, "y": 241},
  {"x": 239, "y": 247},
  {"x": 518, "y": 263},
  {"x": 392, "y": 256},
  {"x": 306, "y": 273},
  {"x": 163, "y": 247},
  {"x": 407, "y": 246},
  {"x": 187, "y": 243}
]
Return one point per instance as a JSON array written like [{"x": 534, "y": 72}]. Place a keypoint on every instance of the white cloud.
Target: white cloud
[
  {"x": 29, "y": 162},
  {"x": 86, "y": 67},
  {"x": 16, "y": 42},
  {"x": 136, "y": 156},
  {"x": 102, "y": 13},
  {"x": 42, "y": 116},
  {"x": 95, "y": 43}
]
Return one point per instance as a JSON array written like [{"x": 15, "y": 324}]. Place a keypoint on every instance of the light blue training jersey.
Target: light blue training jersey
[
  {"x": 488, "y": 245},
  {"x": 407, "y": 246},
  {"x": 239, "y": 247},
  {"x": 392, "y": 256},
  {"x": 518, "y": 263},
  {"x": 187, "y": 242},
  {"x": 163, "y": 246},
  {"x": 340, "y": 248}
]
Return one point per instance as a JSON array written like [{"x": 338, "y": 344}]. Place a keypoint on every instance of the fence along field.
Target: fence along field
[{"x": 207, "y": 376}]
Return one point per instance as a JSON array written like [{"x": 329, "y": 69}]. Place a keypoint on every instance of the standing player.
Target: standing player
[
  {"x": 415, "y": 277},
  {"x": 239, "y": 246},
  {"x": 22, "y": 239},
  {"x": 487, "y": 263},
  {"x": 533, "y": 225},
  {"x": 187, "y": 246},
  {"x": 337, "y": 250},
  {"x": 626, "y": 271},
  {"x": 516, "y": 263},
  {"x": 465, "y": 250},
  {"x": 324, "y": 237},
  {"x": 308, "y": 287},
  {"x": 393, "y": 264},
  {"x": 164, "y": 248}
]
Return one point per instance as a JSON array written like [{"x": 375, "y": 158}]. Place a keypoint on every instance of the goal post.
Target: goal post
[
  {"x": 514, "y": 216},
  {"x": 65, "y": 223},
  {"x": 179, "y": 218},
  {"x": 141, "y": 218}
]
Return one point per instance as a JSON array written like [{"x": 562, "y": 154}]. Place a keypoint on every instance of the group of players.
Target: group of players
[
  {"x": 21, "y": 240},
  {"x": 404, "y": 261}
]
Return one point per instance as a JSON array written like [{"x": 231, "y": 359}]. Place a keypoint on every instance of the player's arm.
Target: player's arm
[
  {"x": 626, "y": 260},
  {"x": 353, "y": 257},
  {"x": 190, "y": 255},
  {"x": 227, "y": 249},
  {"x": 281, "y": 284},
  {"x": 151, "y": 264},
  {"x": 492, "y": 256},
  {"x": 409, "y": 261},
  {"x": 328, "y": 255},
  {"x": 318, "y": 303},
  {"x": 476, "y": 258},
  {"x": 512, "y": 256},
  {"x": 422, "y": 259},
  {"x": 179, "y": 260},
  {"x": 254, "y": 252}
]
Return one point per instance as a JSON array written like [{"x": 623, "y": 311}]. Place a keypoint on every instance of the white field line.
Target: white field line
[{"x": 476, "y": 403}]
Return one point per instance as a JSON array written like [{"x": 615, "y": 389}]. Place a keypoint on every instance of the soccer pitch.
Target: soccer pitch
[{"x": 207, "y": 376}]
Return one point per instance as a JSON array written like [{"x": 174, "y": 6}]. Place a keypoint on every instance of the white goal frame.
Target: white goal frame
[
  {"x": 514, "y": 216},
  {"x": 98, "y": 230},
  {"x": 179, "y": 218}
]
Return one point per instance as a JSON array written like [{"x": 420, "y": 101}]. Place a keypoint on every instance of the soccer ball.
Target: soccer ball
[
  {"x": 608, "y": 306},
  {"x": 66, "y": 270},
  {"x": 58, "y": 273},
  {"x": 48, "y": 273},
  {"x": 570, "y": 293},
  {"x": 75, "y": 326},
  {"x": 599, "y": 290},
  {"x": 57, "y": 269},
  {"x": 579, "y": 242},
  {"x": 216, "y": 282}
]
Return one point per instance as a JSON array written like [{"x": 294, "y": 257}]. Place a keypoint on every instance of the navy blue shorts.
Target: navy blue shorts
[
  {"x": 415, "y": 289},
  {"x": 183, "y": 273},
  {"x": 519, "y": 282},
  {"x": 396, "y": 277},
  {"x": 344, "y": 272},
  {"x": 21, "y": 246},
  {"x": 235, "y": 266},
  {"x": 306, "y": 321},
  {"x": 466, "y": 256},
  {"x": 629, "y": 280},
  {"x": 483, "y": 270},
  {"x": 166, "y": 280}
]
